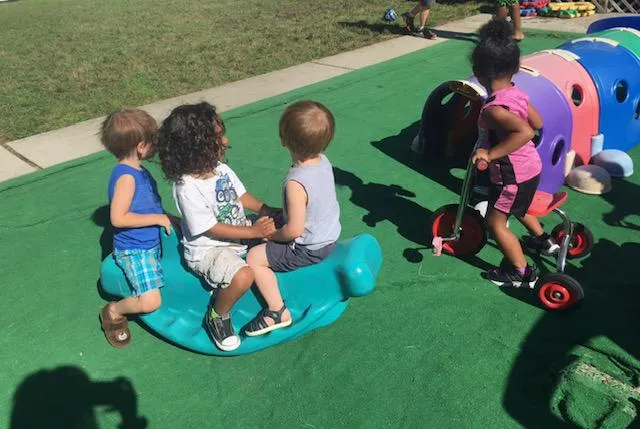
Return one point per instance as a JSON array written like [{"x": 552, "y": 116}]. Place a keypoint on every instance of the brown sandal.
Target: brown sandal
[{"x": 115, "y": 330}]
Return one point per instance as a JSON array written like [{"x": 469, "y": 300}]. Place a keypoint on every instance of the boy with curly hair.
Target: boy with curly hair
[{"x": 211, "y": 200}]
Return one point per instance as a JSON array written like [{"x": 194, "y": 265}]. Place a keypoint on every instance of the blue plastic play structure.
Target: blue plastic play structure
[
  {"x": 618, "y": 76},
  {"x": 316, "y": 295},
  {"x": 625, "y": 21}
]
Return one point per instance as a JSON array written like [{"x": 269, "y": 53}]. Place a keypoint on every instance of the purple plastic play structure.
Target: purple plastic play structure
[{"x": 552, "y": 143}]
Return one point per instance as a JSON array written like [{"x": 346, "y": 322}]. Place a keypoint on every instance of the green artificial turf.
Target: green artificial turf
[{"x": 435, "y": 345}]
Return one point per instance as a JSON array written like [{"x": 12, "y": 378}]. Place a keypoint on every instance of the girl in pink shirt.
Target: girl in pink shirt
[{"x": 506, "y": 126}]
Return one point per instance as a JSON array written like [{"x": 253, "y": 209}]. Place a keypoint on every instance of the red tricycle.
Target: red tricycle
[{"x": 461, "y": 230}]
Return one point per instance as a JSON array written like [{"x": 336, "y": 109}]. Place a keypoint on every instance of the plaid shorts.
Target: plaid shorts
[
  {"x": 506, "y": 3},
  {"x": 141, "y": 268}
]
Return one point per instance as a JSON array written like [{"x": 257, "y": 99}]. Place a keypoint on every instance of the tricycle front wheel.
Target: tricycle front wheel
[{"x": 473, "y": 236}]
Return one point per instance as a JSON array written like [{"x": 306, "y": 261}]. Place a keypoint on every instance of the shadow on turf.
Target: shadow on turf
[
  {"x": 393, "y": 203},
  {"x": 415, "y": 223},
  {"x": 611, "y": 309},
  {"x": 398, "y": 28},
  {"x": 66, "y": 398},
  {"x": 624, "y": 197},
  {"x": 101, "y": 218}
]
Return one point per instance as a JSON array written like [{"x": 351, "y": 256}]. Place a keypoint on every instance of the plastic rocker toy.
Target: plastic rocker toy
[
  {"x": 460, "y": 230},
  {"x": 316, "y": 295}
]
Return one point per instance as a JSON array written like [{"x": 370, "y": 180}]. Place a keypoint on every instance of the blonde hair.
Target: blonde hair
[
  {"x": 123, "y": 129},
  {"x": 306, "y": 128}
]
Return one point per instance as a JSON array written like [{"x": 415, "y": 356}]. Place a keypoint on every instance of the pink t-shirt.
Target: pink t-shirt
[{"x": 522, "y": 164}]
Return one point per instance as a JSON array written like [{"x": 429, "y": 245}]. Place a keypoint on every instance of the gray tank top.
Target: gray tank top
[{"x": 322, "y": 223}]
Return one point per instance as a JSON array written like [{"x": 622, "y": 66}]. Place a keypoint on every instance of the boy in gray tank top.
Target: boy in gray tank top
[{"x": 311, "y": 211}]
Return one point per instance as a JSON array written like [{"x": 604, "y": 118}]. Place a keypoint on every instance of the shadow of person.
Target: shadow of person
[
  {"x": 65, "y": 398},
  {"x": 398, "y": 147},
  {"x": 610, "y": 311},
  {"x": 456, "y": 35},
  {"x": 378, "y": 27},
  {"x": 624, "y": 196},
  {"x": 101, "y": 217},
  {"x": 387, "y": 202}
]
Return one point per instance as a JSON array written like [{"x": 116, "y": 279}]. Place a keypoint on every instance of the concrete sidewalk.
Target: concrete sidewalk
[{"x": 54, "y": 147}]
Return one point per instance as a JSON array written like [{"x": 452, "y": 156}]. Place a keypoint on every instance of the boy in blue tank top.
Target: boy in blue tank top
[
  {"x": 136, "y": 215},
  {"x": 311, "y": 211}
]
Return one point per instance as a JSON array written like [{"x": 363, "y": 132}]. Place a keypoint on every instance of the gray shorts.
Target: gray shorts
[
  {"x": 427, "y": 2},
  {"x": 218, "y": 266},
  {"x": 285, "y": 257}
]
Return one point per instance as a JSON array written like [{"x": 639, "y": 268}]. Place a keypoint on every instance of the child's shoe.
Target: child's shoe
[
  {"x": 221, "y": 331},
  {"x": 508, "y": 276},
  {"x": 429, "y": 34},
  {"x": 544, "y": 244},
  {"x": 258, "y": 326}
]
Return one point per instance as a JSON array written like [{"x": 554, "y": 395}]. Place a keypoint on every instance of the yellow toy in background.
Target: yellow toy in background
[
  {"x": 579, "y": 6},
  {"x": 568, "y": 10}
]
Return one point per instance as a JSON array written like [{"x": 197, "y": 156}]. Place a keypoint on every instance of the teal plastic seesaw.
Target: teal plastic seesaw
[{"x": 316, "y": 295}]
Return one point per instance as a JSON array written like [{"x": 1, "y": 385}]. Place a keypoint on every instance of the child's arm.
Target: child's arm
[
  {"x": 255, "y": 205},
  {"x": 120, "y": 215},
  {"x": 516, "y": 132},
  {"x": 262, "y": 228},
  {"x": 297, "y": 212},
  {"x": 535, "y": 120}
]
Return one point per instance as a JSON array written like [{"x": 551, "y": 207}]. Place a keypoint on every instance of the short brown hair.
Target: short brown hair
[
  {"x": 124, "y": 129},
  {"x": 306, "y": 128}
]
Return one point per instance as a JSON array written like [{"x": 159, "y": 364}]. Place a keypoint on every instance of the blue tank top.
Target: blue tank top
[{"x": 145, "y": 201}]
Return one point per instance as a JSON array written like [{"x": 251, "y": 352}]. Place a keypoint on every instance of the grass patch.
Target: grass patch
[{"x": 70, "y": 60}]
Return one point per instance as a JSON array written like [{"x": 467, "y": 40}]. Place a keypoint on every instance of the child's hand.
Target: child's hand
[
  {"x": 480, "y": 155},
  {"x": 264, "y": 227},
  {"x": 165, "y": 222}
]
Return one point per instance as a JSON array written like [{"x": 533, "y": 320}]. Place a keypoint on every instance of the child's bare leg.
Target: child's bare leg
[
  {"x": 424, "y": 16},
  {"x": 145, "y": 303},
  {"x": 266, "y": 281},
  {"x": 532, "y": 224},
  {"x": 508, "y": 242},
  {"x": 517, "y": 23},
  {"x": 502, "y": 12},
  {"x": 227, "y": 297}
]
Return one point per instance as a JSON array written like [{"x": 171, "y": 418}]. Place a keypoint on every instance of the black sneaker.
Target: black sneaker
[
  {"x": 544, "y": 244},
  {"x": 508, "y": 276},
  {"x": 408, "y": 22},
  {"x": 428, "y": 34},
  {"x": 221, "y": 330}
]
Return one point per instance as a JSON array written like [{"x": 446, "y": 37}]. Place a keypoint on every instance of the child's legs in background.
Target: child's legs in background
[
  {"x": 423, "y": 8},
  {"x": 507, "y": 241},
  {"x": 502, "y": 12},
  {"x": 511, "y": 7},
  {"x": 424, "y": 16},
  {"x": 517, "y": 22}
]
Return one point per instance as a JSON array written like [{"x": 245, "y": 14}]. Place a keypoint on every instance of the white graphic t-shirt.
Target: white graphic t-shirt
[{"x": 205, "y": 202}]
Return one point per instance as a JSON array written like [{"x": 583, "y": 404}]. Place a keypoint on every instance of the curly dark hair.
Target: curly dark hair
[
  {"x": 497, "y": 55},
  {"x": 190, "y": 141}
]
